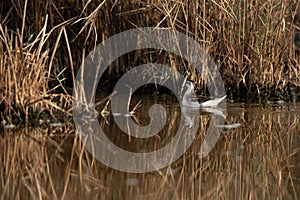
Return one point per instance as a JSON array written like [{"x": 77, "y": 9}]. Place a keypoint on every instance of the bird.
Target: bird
[{"x": 187, "y": 99}]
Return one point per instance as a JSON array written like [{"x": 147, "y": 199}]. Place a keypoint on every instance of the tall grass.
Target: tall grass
[
  {"x": 26, "y": 72},
  {"x": 43, "y": 43}
]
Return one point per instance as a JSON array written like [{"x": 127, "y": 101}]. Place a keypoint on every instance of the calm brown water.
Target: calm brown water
[{"x": 260, "y": 159}]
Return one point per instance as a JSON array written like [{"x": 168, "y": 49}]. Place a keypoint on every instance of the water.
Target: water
[{"x": 259, "y": 158}]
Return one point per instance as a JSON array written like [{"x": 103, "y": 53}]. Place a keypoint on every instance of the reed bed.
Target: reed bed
[
  {"x": 43, "y": 44},
  {"x": 24, "y": 71}
]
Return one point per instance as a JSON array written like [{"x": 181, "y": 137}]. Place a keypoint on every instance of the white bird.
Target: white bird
[{"x": 187, "y": 99}]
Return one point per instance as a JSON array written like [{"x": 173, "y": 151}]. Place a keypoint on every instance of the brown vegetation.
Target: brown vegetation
[
  {"x": 254, "y": 43},
  {"x": 43, "y": 43}
]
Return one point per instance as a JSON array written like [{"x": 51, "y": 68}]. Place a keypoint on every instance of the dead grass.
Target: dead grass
[{"x": 43, "y": 44}]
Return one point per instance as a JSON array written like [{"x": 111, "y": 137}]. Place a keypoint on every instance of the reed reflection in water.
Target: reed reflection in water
[{"x": 258, "y": 160}]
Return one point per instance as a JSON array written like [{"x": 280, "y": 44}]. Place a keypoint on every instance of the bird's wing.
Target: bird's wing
[{"x": 213, "y": 102}]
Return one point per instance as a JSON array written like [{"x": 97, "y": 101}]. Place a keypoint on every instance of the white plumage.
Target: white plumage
[{"x": 187, "y": 99}]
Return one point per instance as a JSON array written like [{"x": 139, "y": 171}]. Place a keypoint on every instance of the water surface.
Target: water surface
[{"x": 257, "y": 159}]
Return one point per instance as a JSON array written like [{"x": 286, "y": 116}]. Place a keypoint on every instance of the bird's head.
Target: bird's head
[{"x": 189, "y": 85}]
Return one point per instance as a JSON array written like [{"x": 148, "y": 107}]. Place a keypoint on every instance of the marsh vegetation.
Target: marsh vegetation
[
  {"x": 43, "y": 44},
  {"x": 255, "y": 45}
]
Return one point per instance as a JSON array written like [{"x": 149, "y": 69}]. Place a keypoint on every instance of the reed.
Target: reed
[{"x": 43, "y": 44}]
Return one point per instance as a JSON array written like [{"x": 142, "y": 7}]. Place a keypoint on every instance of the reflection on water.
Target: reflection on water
[{"x": 256, "y": 157}]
